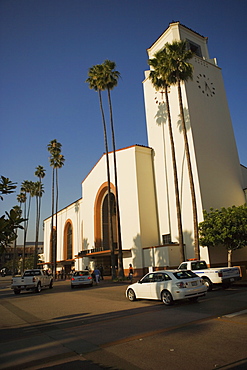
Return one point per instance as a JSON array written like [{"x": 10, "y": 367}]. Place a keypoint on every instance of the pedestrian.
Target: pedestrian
[
  {"x": 130, "y": 272},
  {"x": 97, "y": 275}
]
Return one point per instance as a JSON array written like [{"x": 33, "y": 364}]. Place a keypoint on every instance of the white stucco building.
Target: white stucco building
[{"x": 145, "y": 180}]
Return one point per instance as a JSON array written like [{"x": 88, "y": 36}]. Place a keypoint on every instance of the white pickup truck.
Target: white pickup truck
[
  {"x": 32, "y": 280},
  {"x": 218, "y": 275}
]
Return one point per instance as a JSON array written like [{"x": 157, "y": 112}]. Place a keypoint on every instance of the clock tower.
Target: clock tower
[{"x": 214, "y": 157}]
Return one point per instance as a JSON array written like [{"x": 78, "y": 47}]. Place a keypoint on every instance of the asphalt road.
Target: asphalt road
[{"x": 98, "y": 328}]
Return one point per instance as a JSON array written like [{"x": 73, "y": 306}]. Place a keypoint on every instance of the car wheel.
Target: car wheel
[
  {"x": 131, "y": 295},
  {"x": 72, "y": 286},
  {"x": 166, "y": 298},
  {"x": 51, "y": 285},
  {"x": 208, "y": 283},
  {"x": 17, "y": 291},
  {"x": 38, "y": 288}
]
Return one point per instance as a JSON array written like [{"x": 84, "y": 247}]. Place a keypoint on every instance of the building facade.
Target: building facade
[{"x": 145, "y": 178}]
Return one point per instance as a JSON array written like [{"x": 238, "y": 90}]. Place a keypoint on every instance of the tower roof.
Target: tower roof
[{"x": 180, "y": 25}]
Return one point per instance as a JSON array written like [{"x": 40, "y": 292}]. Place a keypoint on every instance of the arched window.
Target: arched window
[
  {"x": 101, "y": 222},
  {"x": 105, "y": 221},
  {"x": 68, "y": 241}
]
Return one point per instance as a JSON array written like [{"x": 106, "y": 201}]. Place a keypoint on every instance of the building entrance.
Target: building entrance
[{"x": 104, "y": 262}]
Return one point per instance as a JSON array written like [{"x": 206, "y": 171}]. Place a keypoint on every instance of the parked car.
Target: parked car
[
  {"x": 5, "y": 271},
  {"x": 167, "y": 286},
  {"x": 80, "y": 278},
  {"x": 217, "y": 275},
  {"x": 34, "y": 280}
]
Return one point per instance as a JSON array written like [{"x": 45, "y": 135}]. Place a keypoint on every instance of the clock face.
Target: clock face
[{"x": 205, "y": 85}]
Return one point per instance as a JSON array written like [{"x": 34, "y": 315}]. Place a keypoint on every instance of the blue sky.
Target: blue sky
[{"x": 46, "y": 48}]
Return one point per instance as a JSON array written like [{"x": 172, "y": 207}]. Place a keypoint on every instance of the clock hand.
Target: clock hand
[{"x": 207, "y": 87}]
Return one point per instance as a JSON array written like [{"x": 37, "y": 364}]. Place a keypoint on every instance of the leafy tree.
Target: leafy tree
[
  {"x": 6, "y": 186},
  {"x": 159, "y": 77},
  {"x": 97, "y": 81},
  {"x": 180, "y": 70},
  {"x": 9, "y": 226},
  {"x": 227, "y": 227},
  {"x": 30, "y": 260}
]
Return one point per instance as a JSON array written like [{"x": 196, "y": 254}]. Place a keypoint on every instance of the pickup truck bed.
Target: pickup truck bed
[{"x": 217, "y": 275}]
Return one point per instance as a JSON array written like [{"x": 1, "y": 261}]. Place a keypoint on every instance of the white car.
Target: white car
[
  {"x": 168, "y": 286},
  {"x": 81, "y": 278}
]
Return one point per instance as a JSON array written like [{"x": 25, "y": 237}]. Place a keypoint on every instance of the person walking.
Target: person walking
[
  {"x": 97, "y": 275},
  {"x": 130, "y": 272}
]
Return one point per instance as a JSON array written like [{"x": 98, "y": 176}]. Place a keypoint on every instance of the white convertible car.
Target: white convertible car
[{"x": 168, "y": 286}]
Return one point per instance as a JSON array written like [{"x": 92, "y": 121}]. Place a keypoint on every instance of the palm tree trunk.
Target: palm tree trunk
[
  {"x": 229, "y": 257},
  {"x": 37, "y": 233},
  {"x": 14, "y": 257},
  {"x": 25, "y": 234},
  {"x": 192, "y": 186},
  {"x": 119, "y": 237},
  {"x": 52, "y": 222},
  {"x": 109, "y": 192},
  {"x": 24, "y": 237},
  {"x": 175, "y": 178},
  {"x": 56, "y": 210}
]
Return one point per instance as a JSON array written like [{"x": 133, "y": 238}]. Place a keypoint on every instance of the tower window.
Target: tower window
[
  {"x": 195, "y": 48},
  {"x": 166, "y": 239}
]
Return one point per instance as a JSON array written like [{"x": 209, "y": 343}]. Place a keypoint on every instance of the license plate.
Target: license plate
[{"x": 194, "y": 283}]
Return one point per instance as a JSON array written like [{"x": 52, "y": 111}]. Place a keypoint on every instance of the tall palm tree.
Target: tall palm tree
[
  {"x": 18, "y": 212},
  {"x": 111, "y": 80},
  {"x": 180, "y": 71},
  {"x": 159, "y": 79},
  {"x": 21, "y": 199},
  {"x": 54, "y": 148},
  {"x": 27, "y": 187},
  {"x": 96, "y": 81},
  {"x": 40, "y": 173},
  {"x": 58, "y": 162}
]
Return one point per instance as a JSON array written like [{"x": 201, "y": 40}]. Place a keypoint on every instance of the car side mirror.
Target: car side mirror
[{"x": 139, "y": 281}]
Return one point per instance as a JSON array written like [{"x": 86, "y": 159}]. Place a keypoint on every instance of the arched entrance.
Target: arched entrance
[
  {"x": 101, "y": 221},
  {"x": 105, "y": 221},
  {"x": 68, "y": 245},
  {"x": 102, "y": 255}
]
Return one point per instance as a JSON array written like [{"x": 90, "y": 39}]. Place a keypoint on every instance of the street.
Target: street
[{"x": 98, "y": 328}]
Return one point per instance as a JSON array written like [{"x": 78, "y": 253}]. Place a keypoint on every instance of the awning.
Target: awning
[{"x": 90, "y": 253}]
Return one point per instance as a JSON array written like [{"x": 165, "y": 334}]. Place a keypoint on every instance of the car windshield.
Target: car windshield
[
  {"x": 81, "y": 273},
  {"x": 184, "y": 274}
]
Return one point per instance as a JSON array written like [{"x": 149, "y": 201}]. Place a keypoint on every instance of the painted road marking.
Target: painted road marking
[{"x": 236, "y": 314}]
